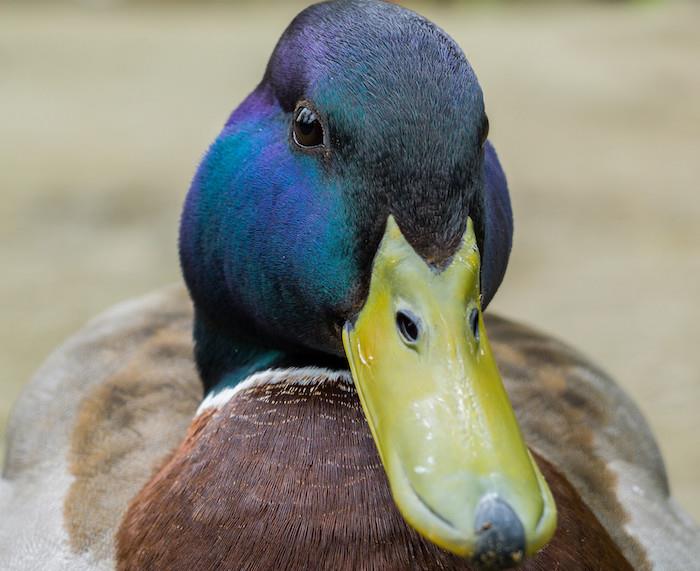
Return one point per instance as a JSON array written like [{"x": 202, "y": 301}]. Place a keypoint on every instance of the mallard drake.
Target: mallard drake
[{"x": 345, "y": 407}]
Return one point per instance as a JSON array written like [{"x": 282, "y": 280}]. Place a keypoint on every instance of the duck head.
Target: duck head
[{"x": 352, "y": 214}]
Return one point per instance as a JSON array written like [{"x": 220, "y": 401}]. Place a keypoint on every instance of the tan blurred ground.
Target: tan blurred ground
[{"x": 595, "y": 110}]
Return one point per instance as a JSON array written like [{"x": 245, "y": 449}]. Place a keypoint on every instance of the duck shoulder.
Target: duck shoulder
[
  {"x": 585, "y": 425},
  {"x": 88, "y": 428}
]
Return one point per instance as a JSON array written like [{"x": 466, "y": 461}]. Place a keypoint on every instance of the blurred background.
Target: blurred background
[{"x": 106, "y": 108}]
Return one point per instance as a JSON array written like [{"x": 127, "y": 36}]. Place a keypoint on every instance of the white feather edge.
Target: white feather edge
[{"x": 292, "y": 376}]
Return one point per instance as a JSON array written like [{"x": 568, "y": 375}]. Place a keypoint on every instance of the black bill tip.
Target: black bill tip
[{"x": 500, "y": 535}]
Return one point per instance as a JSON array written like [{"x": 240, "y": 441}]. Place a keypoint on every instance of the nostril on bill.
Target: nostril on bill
[
  {"x": 500, "y": 542},
  {"x": 409, "y": 326},
  {"x": 474, "y": 323}
]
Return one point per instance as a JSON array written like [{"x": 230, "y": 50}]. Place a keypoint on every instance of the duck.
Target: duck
[{"x": 327, "y": 391}]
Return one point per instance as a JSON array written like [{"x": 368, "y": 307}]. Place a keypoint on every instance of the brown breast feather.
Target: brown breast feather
[{"x": 287, "y": 477}]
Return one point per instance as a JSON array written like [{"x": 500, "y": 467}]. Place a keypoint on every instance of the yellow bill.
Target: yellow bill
[{"x": 458, "y": 468}]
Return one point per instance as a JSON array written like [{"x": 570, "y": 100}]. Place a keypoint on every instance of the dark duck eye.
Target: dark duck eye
[
  {"x": 484, "y": 131},
  {"x": 307, "y": 128}
]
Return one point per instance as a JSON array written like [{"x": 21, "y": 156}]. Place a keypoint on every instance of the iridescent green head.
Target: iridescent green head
[{"x": 279, "y": 231}]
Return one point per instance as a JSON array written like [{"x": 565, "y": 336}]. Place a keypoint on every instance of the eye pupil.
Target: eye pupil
[
  {"x": 307, "y": 128},
  {"x": 408, "y": 326}
]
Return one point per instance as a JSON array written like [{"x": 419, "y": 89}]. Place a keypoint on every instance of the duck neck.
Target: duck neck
[{"x": 227, "y": 356}]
